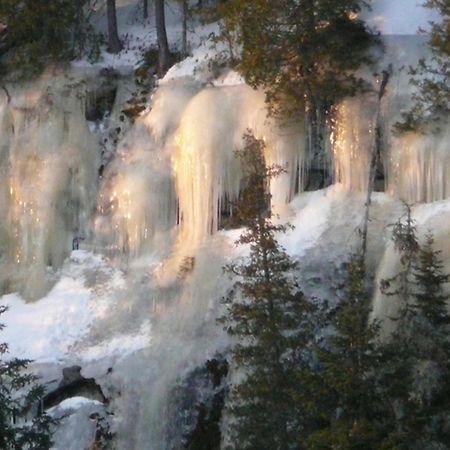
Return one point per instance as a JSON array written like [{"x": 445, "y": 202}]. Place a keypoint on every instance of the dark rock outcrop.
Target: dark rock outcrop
[{"x": 73, "y": 384}]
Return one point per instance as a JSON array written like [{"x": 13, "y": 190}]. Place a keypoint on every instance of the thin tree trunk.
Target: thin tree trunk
[
  {"x": 114, "y": 44},
  {"x": 163, "y": 45},
  {"x": 184, "y": 30},
  {"x": 375, "y": 159},
  {"x": 145, "y": 8}
]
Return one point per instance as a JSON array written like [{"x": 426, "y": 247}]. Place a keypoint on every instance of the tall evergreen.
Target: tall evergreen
[
  {"x": 268, "y": 319},
  {"x": 353, "y": 411},
  {"x": 419, "y": 369},
  {"x": 431, "y": 103},
  {"x": 304, "y": 53},
  {"x": 19, "y": 398},
  {"x": 431, "y": 387},
  {"x": 431, "y": 300}
]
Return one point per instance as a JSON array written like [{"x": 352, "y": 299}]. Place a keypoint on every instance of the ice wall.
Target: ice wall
[
  {"x": 174, "y": 175},
  {"x": 206, "y": 169},
  {"x": 416, "y": 166},
  {"x": 48, "y": 163},
  {"x": 177, "y": 167}
]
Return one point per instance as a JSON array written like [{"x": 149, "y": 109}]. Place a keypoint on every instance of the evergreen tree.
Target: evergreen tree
[
  {"x": 430, "y": 394},
  {"x": 19, "y": 395},
  {"x": 39, "y": 32},
  {"x": 404, "y": 236},
  {"x": 304, "y": 53},
  {"x": 268, "y": 318},
  {"x": 398, "y": 367},
  {"x": 350, "y": 400},
  {"x": 419, "y": 346},
  {"x": 429, "y": 278},
  {"x": 431, "y": 103}
]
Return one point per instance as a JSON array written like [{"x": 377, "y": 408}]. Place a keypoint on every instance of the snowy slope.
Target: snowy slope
[{"x": 54, "y": 329}]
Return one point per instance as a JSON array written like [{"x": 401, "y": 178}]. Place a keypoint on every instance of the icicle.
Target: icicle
[
  {"x": 205, "y": 166},
  {"x": 49, "y": 160}
]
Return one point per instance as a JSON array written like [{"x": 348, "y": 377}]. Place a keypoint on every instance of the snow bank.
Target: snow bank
[{"x": 51, "y": 330}]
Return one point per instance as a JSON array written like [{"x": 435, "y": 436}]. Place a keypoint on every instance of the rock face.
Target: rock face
[
  {"x": 70, "y": 375},
  {"x": 74, "y": 384},
  {"x": 197, "y": 406}
]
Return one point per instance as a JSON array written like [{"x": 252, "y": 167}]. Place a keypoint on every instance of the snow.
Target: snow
[
  {"x": 121, "y": 345},
  {"x": 136, "y": 34},
  {"x": 49, "y": 330},
  {"x": 312, "y": 210},
  {"x": 74, "y": 403},
  {"x": 77, "y": 425}
]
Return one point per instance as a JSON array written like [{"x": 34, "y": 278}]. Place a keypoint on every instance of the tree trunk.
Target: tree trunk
[
  {"x": 375, "y": 159},
  {"x": 145, "y": 7},
  {"x": 114, "y": 44},
  {"x": 163, "y": 45},
  {"x": 184, "y": 30}
]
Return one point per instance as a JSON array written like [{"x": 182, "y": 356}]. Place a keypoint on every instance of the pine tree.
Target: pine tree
[
  {"x": 404, "y": 236},
  {"x": 304, "y": 53},
  {"x": 268, "y": 318},
  {"x": 419, "y": 366},
  {"x": 351, "y": 404},
  {"x": 431, "y": 387},
  {"x": 398, "y": 368},
  {"x": 40, "y": 32},
  {"x": 431, "y": 103},
  {"x": 429, "y": 278},
  {"x": 19, "y": 395}
]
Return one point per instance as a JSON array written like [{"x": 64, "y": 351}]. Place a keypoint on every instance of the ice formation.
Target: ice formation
[
  {"x": 415, "y": 165},
  {"x": 48, "y": 166},
  {"x": 161, "y": 196},
  {"x": 175, "y": 171}
]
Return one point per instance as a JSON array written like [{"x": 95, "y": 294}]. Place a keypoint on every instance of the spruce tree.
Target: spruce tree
[
  {"x": 304, "y": 53},
  {"x": 268, "y": 319},
  {"x": 431, "y": 388},
  {"x": 431, "y": 102},
  {"x": 418, "y": 370},
  {"x": 398, "y": 368},
  {"x": 19, "y": 397},
  {"x": 429, "y": 278},
  {"x": 352, "y": 409}
]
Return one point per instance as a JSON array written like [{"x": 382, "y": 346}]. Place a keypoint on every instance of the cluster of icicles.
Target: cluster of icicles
[{"x": 175, "y": 172}]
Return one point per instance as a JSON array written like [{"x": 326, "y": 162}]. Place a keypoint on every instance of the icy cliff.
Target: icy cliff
[{"x": 146, "y": 202}]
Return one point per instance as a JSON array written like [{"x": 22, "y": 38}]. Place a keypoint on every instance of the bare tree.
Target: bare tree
[
  {"x": 114, "y": 44},
  {"x": 375, "y": 159},
  {"x": 145, "y": 8},
  {"x": 164, "y": 56},
  {"x": 185, "y": 9}
]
